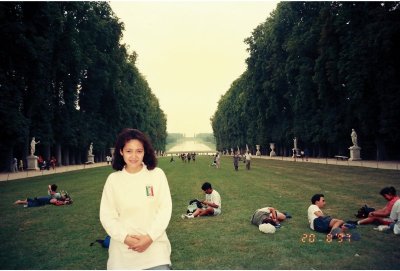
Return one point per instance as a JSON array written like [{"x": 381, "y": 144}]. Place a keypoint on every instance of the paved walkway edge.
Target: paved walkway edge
[
  {"x": 393, "y": 165},
  {"x": 33, "y": 173}
]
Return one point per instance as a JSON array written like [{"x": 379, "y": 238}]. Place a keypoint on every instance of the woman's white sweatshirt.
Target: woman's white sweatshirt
[{"x": 137, "y": 204}]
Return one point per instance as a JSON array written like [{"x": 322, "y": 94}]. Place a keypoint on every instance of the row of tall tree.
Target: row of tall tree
[
  {"x": 316, "y": 70},
  {"x": 66, "y": 79}
]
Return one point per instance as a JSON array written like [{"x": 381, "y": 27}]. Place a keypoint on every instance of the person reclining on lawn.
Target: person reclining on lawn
[
  {"x": 53, "y": 197},
  {"x": 35, "y": 202},
  {"x": 321, "y": 223},
  {"x": 212, "y": 203},
  {"x": 381, "y": 216},
  {"x": 268, "y": 215}
]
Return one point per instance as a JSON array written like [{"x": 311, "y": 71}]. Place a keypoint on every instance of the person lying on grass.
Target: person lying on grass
[
  {"x": 41, "y": 201},
  {"x": 321, "y": 223},
  {"x": 268, "y": 215},
  {"x": 53, "y": 197}
]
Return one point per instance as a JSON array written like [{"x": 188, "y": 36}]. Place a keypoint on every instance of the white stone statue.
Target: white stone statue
[
  {"x": 258, "y": 153},
  {"x": 272, "y": 147},
  {"x": 33, "y": 145},
  {"x": 295, "y": 143},
  {"x": 354, "y": 137},
  {"x": 90, "y": 152}
]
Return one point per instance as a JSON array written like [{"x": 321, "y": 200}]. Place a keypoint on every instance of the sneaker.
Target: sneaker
[
  {"x": 188, "y": 215},
  {"x": 382, "y": 228}
]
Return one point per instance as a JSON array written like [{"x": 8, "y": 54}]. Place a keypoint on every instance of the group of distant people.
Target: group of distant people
[
  {"x": 42, "y": 164},
  {"x": 109, "y": 159},
  {"x": 186, "y": 157},
  {"x": 46, "y": 164},
  {"x": 237, "y": 157}
]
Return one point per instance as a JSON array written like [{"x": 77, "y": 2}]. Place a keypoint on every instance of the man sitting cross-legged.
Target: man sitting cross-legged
[
  {"x": 212, "y": 203},
  {"x": 321, "y": 223}
]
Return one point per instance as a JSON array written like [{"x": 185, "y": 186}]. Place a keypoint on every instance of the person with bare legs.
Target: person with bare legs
[
  {"x": 321, "y": 223},
  {"x": 381, "y": 216},
  {"x": 212, "y": 203}
]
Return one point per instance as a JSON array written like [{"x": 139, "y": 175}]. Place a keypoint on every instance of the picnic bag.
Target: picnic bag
[
  {"x": 364, "y": 211},
  {"x": 193, "y": 205}
]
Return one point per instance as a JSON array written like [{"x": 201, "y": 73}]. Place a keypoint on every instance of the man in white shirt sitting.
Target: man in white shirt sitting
[
  {"x": 212, "y": 203},
  {"x": 318, "y": 221}
]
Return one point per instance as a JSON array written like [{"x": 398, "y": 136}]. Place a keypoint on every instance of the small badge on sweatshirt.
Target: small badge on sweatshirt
[{"x": 149, "y": 191}]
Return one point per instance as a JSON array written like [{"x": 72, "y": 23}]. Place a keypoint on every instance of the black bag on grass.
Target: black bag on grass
[
  {"x": 193, "y": 205},
  {"x": 364, "y": 211}
]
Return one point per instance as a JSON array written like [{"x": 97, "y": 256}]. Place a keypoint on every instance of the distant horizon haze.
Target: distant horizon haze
[{"x": 190, "y": 52}]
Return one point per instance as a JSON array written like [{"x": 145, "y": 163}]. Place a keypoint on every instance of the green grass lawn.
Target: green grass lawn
[{"x": 53, "y": 237}]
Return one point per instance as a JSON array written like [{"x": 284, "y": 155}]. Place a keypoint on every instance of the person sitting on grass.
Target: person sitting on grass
[
  {"x": 381, "y": 216},
  {"x": 52, "y": 191},
  {"x": 212, "y": 203},
  {"x": 321, "y": 223}
]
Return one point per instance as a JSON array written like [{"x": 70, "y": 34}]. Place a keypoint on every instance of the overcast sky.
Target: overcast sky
[{"x": 190, "y": 52}]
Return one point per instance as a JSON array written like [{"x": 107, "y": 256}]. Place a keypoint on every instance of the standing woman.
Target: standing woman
[{"x": 136, "y": 206}]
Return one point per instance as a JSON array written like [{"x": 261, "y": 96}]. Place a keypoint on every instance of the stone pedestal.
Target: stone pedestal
[
  {"x": 90, "y": 159},
  {"x": 354, "y": 153},
  {"x": 112, "y": 150},
  {"x": 32, "y": 162},
  {"x": 272, "y": 147},
  {"x": 295, "y": 152}
]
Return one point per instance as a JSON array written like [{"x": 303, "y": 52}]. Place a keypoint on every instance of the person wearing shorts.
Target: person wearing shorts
[
  {"x": 318, "y": 221},
  {"x": 212, "y": 202}
]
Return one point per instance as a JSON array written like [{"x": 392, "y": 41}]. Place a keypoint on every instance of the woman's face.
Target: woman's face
[
  {"x": 133, "y": 153},
  {"x": 388, "y": 197}
]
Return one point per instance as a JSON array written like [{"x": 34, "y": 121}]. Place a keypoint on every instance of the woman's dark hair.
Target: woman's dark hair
[
  {"x": 316, "y": 198},
  {"x": 388, "y": 191},
  {"x": 126, "y": 135}
]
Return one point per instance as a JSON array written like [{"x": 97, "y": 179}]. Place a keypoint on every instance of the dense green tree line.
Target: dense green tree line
[
  {"x": 66, "y": 79},
  {"x": 315, "y": 71}
]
